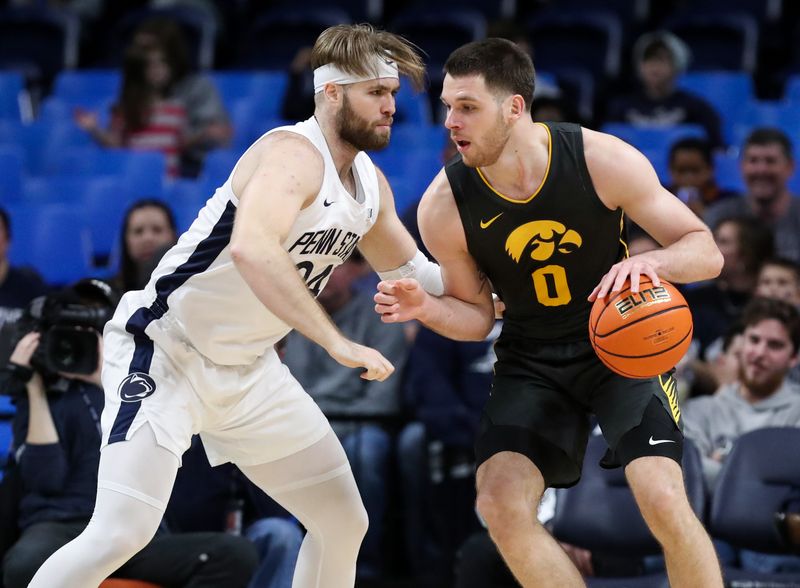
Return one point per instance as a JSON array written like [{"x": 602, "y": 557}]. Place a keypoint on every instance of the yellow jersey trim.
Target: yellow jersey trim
[
  {"x": 670, "y": 388},
  {"x": 544, "y": 179}
]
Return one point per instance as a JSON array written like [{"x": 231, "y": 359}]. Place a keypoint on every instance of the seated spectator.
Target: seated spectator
[
  {"x": 57, "y": 437},
  {"x": 148, "y": 230},
  {"x": 447, "y": 385},
  {"x": 760, "y": 397},
  {"x": 358, "y": 409},
  {"x": 716, "y": 305},
  {"x": 144, "y": 117},
  {"x": 298, "y": 102},
  {"x": 767, "y": 164},
  {"x": 660, "y": 58},
  {"x": 779, "y": 279},
  {"x": 18, "y": 286},
  {"x": 208, "y": 124},
  {"x": 691, "y": 173}
]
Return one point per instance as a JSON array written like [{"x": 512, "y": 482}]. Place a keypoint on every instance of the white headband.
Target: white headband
[{"x": 382, "y": 67}]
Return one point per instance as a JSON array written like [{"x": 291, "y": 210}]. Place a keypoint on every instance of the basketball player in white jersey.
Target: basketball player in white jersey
[{"x": 193, "y": 351}]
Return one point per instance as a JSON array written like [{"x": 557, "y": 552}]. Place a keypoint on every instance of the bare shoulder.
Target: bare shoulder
[
  {"x": 438, "y": 202},
  {"x": 617, "y": 169},
  {"x": 289, "y": 154}
]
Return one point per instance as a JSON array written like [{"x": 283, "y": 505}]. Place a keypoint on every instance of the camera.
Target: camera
[{"x": 69, "y": 321}]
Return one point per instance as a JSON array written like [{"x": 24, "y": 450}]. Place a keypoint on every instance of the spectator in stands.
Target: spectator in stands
[
  {"x": 767, "y": 164},
  {"x": 57, "y": 446},
  {"x": 143, "y": 116},
  {"x": 447, "y": 385},
  {"x": 779, "y": 278},
  {"x": 760, "y": 397},
  {"x": 691, "y": 172},
  {"x": 18, "y": 286},
  {"x": 148, "y": 230},
  {"x": 358, "y": 409},
  {"x": 716, "y": 305},
  {"x": 208, "y": 124},
  {"x": 298, "y": 102},
  {"x": 660, "y": 58}
]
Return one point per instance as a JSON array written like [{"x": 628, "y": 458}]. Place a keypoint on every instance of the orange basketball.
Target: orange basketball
[{"x": 642, "y": 334}]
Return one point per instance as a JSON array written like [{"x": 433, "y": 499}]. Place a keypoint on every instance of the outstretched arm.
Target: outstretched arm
[
  {"x": 465, "y": 310},
  {"x": 623, "y": 177},
  {"x": 390, "y": 249},
  {"x": 274, "y": 182}
]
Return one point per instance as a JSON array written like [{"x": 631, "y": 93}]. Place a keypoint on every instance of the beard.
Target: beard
[
  {"x": 357, "y": 131},
  {"x": 494, "y": 142}
]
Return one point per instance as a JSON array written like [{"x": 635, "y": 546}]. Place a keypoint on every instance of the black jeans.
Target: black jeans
[{"x": 187, "y": 560}]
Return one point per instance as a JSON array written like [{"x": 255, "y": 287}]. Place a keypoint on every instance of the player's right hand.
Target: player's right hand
[
  {"x": 398, "y": 301},
  {"x": 351, "y": 354}
]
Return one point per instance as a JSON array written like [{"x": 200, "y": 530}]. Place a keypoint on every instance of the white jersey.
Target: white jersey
[{"x": 197, "y": 293}]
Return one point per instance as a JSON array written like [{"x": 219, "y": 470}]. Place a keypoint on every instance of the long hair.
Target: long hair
[
  {"x": 129, "y": 269},
  {"x": 137, "y": 96},
  {"x": 347, "y": 46}
]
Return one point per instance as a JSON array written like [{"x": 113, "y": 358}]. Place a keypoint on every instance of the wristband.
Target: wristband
[{"x": 20, "y": 372}]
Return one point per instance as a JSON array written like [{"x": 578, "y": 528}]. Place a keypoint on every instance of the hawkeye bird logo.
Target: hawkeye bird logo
[
  {"x": 543, "y": 238},
  {"x": 136, "y": 387}
]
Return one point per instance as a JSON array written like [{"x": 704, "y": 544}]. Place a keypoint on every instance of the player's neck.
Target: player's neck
[
  {"x": 342, "y": 152},
  {"x": 522, "y": 165}
]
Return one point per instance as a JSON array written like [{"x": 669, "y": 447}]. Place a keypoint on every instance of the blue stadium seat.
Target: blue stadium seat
[
  {"x": 763, "y": 113},
  {"x": 726, "y": 91},
  {"x": 219, "y": 164},
  {"x": 438, "y": 32},
  {"x": 54, "y": 239},
  {"x": 266, "y": 87},
  {"x": 652, "y": 138},
  {"x": 37, "y": 39},
  {"x": 759, "y": 478},
  {"x": 727, "y": 172},
  {"x": 7, "y": 408},
  {"x": 6, "y": 438},
  {"x": 275, "y": 37},
  {"x": 11, "y": 163},
  {"x": 87, "y": 86},
  {"x": 15, "y": 102},
  {"x": 718, "y": 41},
  {"x": 412, "y": 107},
  {"x": 589, "y": 40}
]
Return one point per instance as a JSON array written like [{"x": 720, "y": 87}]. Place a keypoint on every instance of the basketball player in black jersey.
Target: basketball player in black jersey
[{"x": 535, "y": 212}]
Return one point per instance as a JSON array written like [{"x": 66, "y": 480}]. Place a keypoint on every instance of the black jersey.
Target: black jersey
[{"x": 545, "y": 254}]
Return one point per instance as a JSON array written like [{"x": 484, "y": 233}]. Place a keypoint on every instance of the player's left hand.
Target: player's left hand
[
  {"x": 398, "y": 301},
  {"x": 630, "y": 268}
]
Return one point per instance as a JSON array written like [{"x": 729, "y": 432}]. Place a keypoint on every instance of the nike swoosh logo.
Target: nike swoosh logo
[
  {"x": 326, "y": 203},
  {"x": 485, "y": 224},
  {"x": 659, "y": 441}
]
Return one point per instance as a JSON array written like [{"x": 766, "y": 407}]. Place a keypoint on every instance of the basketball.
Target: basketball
[{"x": 642, "y": 334}]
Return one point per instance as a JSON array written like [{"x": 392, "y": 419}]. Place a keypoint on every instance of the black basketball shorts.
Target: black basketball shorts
[{"x": 544, "y": 395}]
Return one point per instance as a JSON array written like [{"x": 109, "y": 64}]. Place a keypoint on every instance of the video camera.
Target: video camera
[{"x": 69, "y": 321}]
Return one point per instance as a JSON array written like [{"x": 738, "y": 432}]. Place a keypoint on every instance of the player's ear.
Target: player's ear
[
  {"x": 517, "y": 107},
  {"x": 332, "y": 92}
]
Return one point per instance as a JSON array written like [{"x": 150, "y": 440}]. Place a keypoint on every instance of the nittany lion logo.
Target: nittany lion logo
[
  {"x": 136, "y": 387},
  {"x": 544, "y": 238}
]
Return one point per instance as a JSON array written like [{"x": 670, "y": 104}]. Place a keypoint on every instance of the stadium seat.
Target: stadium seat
[
  {"x": 6, "y": 438},
  {"x": 87, "y": 86},
  {"x": 726, "y": 91},
  {"x": 590, "y": 41},
  {"x": 750, "y": 490},
  {"x": 7, "y": 408},
  {"x": 40, "y": 40},
  {"x": 718, "y": 41},
  {"x": 438, "y": 32},
  {"x": 617, "y": 529},
  {"x": 11, "y": 163},
  {"x": 199, "y": 28},
  {"x": 54, "y": 239},
  {"x": 727, "y": 172},
  {"x": 653, "y": 138},
  {"x": 265, "y": 87},
  {"x": 275, "y": 37},
  {"x": 15, "y": 102}
]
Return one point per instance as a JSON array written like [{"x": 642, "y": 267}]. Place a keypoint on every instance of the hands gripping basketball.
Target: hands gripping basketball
[{"x": 631, "y": 268}]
